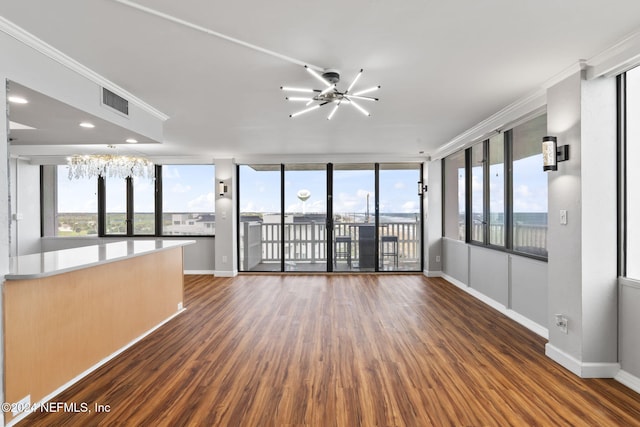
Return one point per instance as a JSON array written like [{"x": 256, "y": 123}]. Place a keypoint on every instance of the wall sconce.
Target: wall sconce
[
  {"x": 552, "y": 154},
  {"x": 421, "y": 188},
  {"x": 223, "y": 189}
]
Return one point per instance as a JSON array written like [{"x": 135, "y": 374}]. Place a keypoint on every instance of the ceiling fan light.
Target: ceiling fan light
[
  {"x": 327, "y": 90},
  {"x": 298, "y": 98},
  {"x": 315, "y": 74},
  {"x": 362, "y": 110},
  {"x": 296, "y": 89},
  {"x": 371, "y": 89},
  {"x": 354, "y": 81},
  {"x": 365, "y": 98},
  {"x": 333, "y": 111},
  {"x": 304, "y": 111}
]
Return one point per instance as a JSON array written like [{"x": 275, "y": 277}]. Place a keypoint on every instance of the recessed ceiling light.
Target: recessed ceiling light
[
  {"x": 132, "y": 141},
  {"x": 17, "y": 100},
  {"x": 87, "y": 125}
]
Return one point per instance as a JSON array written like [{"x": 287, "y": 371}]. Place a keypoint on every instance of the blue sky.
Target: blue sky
[
  {"x": 186, "y": 188},
  {"x": 260, "y": 191},
  {"x": 191, "y": 188}
]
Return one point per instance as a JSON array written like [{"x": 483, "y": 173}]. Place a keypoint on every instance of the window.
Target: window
[
  {"x": 496, "y": 191},
  {"x": 455, "y": 196},
  {"x": 632, "y": 148},
  {"x": 116, "y": 203},
  {"x": 514, "y": 219},
  {"x": 399, "y": 227},
  {"x": 77, "y": 205},
  {"x": 529, "y": 189},
  {"x": 305, "y": 229},
  {"x": 144, "y": 218},
  {"x": 478, "y": 220},
  {"x": 260, "y": 218},
  {"x": 188, "y": 200},
  {"x": 326, "y": 217},
  {"x": 132, "y": 206}
]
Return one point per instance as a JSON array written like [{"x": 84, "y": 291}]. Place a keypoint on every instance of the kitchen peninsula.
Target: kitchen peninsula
[{"x": 67, "y": 312}]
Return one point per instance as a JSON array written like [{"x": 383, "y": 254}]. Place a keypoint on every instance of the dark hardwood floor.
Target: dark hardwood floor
[{"x": 343, "y": 350}]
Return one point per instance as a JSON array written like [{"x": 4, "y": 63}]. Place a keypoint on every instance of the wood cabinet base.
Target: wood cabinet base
[{"x": 60, "y": 326}]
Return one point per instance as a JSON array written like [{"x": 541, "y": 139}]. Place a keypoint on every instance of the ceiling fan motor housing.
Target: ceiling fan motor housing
[{"x": 332, "y": 76}]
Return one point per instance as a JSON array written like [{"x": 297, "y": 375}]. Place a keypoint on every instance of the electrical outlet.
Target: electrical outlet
[
  {"x": 179, "y": 306},
  {"x": 562, "y": 323},
  {"x": 437, "y": 258},
  {"x": 224, "y": 259}
]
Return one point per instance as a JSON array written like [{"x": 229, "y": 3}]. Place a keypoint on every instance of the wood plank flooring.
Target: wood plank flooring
[{"x": 355, "y": 350}]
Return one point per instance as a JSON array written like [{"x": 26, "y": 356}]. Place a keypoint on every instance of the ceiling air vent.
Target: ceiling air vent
[{"x": 114, "y": 101}]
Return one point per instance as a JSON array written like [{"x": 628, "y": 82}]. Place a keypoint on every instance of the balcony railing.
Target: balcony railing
[
  {"x": 529, "y": 238},
  {"x": 306, "y": 242}
]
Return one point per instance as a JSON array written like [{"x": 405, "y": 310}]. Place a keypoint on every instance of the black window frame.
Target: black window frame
[
  {"x": 129, "y": 214},
  {"x": 508, "y": 197}
]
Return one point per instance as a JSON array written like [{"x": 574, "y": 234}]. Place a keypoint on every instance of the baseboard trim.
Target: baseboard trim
[
  {"x": 511, "y": 314},
  {"x": 432, "y": 273},
  {"x": 188, "y": 272},
  {"x": 628, "y": 380},
  {"x": 80, "y": 376},
  {"x": 581, "y": 369},
  {"x": 224, "y": 273}
]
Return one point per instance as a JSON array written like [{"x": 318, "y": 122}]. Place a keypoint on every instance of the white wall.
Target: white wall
[
  {"x": 25, "y": 207},
  {"x": 583, "y": 253},
  {"x": 226, "y": 259},
  {"x": 433, "y": 219},
  {"x": 512, "y": 284}
]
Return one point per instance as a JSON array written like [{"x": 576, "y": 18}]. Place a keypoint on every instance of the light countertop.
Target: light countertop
[{"x": 56, "y": 262}]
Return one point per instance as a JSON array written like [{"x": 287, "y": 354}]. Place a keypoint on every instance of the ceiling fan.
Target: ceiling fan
[{"x": 330, "y": 94}]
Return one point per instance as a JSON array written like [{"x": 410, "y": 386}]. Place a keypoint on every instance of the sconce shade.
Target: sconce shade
[
  {"x": 549, "y": 150},
  {"x": 421, "y": 188},
  {"x": 222, "y": 188}
]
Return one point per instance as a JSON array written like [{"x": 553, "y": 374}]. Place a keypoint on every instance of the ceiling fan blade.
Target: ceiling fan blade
[
  {"x": 304, "y": 111},
  {"x": 362, "y": 110},
  {"x": 315, "y": 74},
  {"x": 354, "y": 80}
]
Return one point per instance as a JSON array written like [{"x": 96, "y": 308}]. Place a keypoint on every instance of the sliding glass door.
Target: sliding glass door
[
  {"x": 317, "y": 217},
  {"x": 399, "y": 225},
  {"x": 260, "y": 222},
  {"x": 305, "y": 219},
  {"x": 354, "y": 247}
]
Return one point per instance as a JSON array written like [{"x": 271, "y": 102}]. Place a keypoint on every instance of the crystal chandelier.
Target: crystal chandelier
[{"x": 109, "y": 165}]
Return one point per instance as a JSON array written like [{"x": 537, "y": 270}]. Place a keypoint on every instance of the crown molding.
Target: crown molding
[
  {"x": 528, "y": 106},
  {"x": 616, "y": 59},
  {"x": 40, "y": 46}
]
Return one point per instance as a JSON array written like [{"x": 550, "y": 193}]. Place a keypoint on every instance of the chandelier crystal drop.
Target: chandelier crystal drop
[{"x": 109, "y": 165}]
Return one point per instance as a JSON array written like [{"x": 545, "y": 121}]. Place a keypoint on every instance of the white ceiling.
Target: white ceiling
[{"x": 443, "y": 66}]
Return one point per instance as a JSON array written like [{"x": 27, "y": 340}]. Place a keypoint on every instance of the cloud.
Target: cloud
[
  {"x": 203, "y": 203},
  {"x": 399, "y": 185},
  {"x": 317, "y": 206},
  {"x": 179, "y": 188},
  {"x": 169, "y": 172},
  {"x": 410, "y": 207}
]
